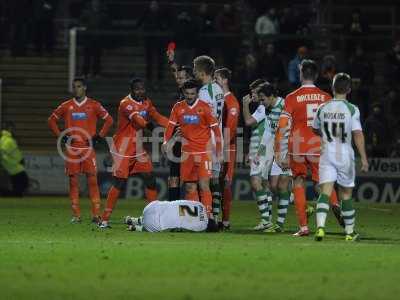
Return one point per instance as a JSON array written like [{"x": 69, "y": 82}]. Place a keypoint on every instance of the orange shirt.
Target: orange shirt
[
  {"x": 230, "y": 120},
  {"x": 298, "y": 115},
  {"x": 196, "y": 122},
  {"x": 81, "y": 119},
  {"x": 133, "y": 116}
]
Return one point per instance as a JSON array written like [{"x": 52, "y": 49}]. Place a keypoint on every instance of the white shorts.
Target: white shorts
[
  {"x": 276, "y": 170},
  {"x": 216, "y": 166},
  {"x": 262, "y": 168},
  {"x": 337, "y": 168}
]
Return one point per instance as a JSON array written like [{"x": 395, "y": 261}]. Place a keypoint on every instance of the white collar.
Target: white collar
[
  {"x": 308, "y": 85},
  {"x": 227, "y": 94},
  {"x": 80, "y": 103}
]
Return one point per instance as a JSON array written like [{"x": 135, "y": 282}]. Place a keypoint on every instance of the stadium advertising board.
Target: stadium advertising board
[{"x": 46, "y": 172}]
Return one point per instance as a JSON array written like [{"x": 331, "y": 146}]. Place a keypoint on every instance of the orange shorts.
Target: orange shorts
[
  {"x": 80, "y": 160},
  {"x": 299, "y": 164},
  {"x": 229, "y": 165},
  {"x": 125, "y": 166},
  {"x": 195, "y": 166}
]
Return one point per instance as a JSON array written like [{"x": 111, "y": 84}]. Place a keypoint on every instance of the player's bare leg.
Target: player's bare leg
[
  {"x": 191, "y": 191},
  {"x": 74, "y": 197},
  {"x": 173, "y": 188},
  {"x": 273, "y": 184},
  {"x": 94, "y": 195}
]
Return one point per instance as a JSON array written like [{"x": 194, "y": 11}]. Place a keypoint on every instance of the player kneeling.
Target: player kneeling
[
  {"x": 337, "y": 121},
  {"x": 170, "y": 215}
]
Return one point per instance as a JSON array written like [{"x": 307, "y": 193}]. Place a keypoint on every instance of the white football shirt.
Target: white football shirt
[
  {"x": 337, "y": 119},
  {"x": 180, "y": 214}
]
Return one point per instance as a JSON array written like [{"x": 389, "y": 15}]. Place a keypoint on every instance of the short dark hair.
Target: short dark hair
[
  {"x": 309, "y": 69},
  {"x": 80, "y": 79},
  {"x": 190, "y": 84},
  {"x": 187, "y": 69},
  {"x": 267, "y": 89},
  {"x": 257, "y": 83},
  {"x": 341, "y": 83},
  {"x": 205, "y": 64},
  {"x": 225, "y": 73},
  {"x": 135, "y": 80}
]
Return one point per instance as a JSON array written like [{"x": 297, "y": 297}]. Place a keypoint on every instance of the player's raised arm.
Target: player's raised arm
[
  {"x": 249, "y": 119},
  {"x": 57, "y": 115},
  {"x": 108, "y": 120}
]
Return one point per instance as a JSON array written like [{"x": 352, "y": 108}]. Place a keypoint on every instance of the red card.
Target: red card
[{"x": 171, "y": 46}]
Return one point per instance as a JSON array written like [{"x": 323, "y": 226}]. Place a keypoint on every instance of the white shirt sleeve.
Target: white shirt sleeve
[
  {"x": 355, "y": 120},
  {"x": 259, "y": 114},
  {"x": 317, "y": 122},
  {"x": 205, "y": 95},
  {"x": 267, "y": 135}
]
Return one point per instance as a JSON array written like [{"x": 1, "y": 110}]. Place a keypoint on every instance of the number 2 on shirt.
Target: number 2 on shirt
[{"x": 311, "y": 112}]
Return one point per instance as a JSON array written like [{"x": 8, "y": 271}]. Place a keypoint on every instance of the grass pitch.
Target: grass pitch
[{"x": 42, "y": 256}]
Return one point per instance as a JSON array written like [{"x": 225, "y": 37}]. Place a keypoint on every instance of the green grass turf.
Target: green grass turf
[{"x": 42, "y": 256}]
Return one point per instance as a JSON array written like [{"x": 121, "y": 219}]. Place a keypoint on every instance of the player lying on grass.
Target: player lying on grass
[
  {"x": 337, "y": 122},
  {"x": 170, "y": 215}
]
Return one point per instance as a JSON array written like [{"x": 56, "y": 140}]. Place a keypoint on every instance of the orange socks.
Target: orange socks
[
  {"x": 300, "y": 203},
  {"x": 94, "y": 194},
  {"x": 206, "y": 199},
  {"x": 226, "y": 204},
  {"x": 151, "y": 194},
  {"x": 74, "y": 195},
  {"x": 112, "y": 199}
]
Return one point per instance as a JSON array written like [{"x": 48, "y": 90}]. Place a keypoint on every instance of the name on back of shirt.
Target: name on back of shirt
[
  {"x": 334, "y": 115},
  {"x": 310, "y": 97}
]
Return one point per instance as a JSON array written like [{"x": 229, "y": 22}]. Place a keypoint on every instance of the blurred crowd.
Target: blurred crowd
[{"x": 253, "y": 38}]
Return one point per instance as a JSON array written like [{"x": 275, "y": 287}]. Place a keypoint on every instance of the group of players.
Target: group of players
[{"x": 307, "y": 132}]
